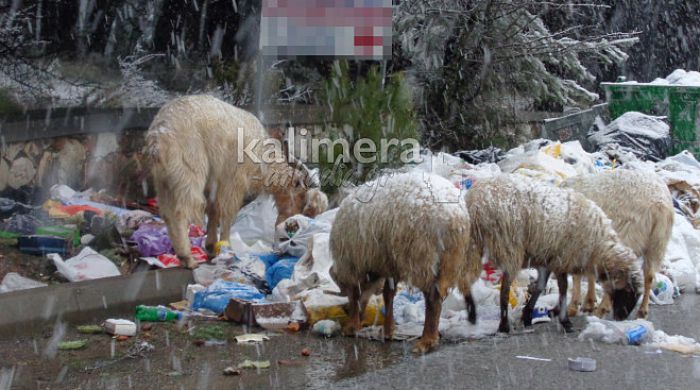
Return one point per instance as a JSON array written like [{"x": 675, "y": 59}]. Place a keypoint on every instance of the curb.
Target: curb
[{"x": 26, "y": 311}]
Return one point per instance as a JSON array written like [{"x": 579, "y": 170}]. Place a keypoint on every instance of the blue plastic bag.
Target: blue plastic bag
[
  {"x": 217, "y": 296},
  {"x": 282, "y": 269}
]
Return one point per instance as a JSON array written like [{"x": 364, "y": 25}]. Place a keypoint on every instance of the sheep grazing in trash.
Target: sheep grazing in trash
[
  {"x": 208, "y": 156},
  {"x": 411, "y": 227},
  {"x": 640, "y": 207},
  {"x": 520, "y": 223}
]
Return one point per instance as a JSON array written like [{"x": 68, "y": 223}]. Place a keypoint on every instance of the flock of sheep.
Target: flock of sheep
[{"x": 417, "y": 227}]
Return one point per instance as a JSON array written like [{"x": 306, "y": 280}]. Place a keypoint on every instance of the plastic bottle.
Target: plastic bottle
[{"x": 156, "y": 314}]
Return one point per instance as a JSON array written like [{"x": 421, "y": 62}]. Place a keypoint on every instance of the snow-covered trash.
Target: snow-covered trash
[
  {"x": 87, "y": 265},
  {"x": 647, "y": 137},
  {"x": 15, "y": 282},
  {"x": 632, "y": 332}
]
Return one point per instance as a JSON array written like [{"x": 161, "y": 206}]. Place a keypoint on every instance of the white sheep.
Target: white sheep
[
  {"x": 411, "y": 227},
  {"x": 640, "y": 207},
  {"x": 196, "y": 146},
  {"x": 523, "y": 223}
]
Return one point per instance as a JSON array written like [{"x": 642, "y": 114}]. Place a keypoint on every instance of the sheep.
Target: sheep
[
  {"x": 208, "y": 156},
  {"x": 521, "y": 223},
  {"x": 411, "y": 227},
  {"x": 641, "y": 209}
]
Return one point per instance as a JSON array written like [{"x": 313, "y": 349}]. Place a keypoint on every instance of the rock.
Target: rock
[
  {"x": 22, "y": 173},
  {"x": 4, "y": 174}
]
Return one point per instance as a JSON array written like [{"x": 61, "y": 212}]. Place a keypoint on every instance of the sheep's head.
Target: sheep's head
[
  {"x": 622, "y": 280},
  {"x": 293, "y": 188}
]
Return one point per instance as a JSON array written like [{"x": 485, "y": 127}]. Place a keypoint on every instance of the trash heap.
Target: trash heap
[{"x": 277, "y": 277}]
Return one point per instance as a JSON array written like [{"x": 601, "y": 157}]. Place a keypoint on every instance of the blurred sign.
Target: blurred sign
[{"x": 359, "y": 29}]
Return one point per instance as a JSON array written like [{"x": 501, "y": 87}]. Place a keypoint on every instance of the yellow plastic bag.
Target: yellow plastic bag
[{"x": 373, "y": 313}]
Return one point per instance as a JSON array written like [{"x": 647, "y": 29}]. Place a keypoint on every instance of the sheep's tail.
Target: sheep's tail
[
  {"x": 179, "y": 174},
  {"x": 659, "y": 237}
]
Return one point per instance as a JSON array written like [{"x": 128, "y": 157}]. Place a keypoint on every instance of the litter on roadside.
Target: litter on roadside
[{"x": 251, "y": 338}]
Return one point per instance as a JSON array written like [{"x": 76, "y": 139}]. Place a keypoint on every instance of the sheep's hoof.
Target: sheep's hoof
[
  {"x": 600, "y": 312},
  {"x": 588, "y": 307},
  {"x": 389, "y": 334},
  {"x": 424, "y": 346},
  {"x": 504, "y": 328},
  {"x": 642, "y": 314},
  {"x": 568, "y": 326},
  {"x": 349, "y": 330}
]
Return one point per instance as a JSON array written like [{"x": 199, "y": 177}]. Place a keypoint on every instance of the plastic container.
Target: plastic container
[
  {"x": 40, "y": 245},
  {"x": 157, "y": 314}
]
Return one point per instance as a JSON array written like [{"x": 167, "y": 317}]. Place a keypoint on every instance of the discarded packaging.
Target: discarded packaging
[
  {"x": 251, "y": 338},
  {"x": 156, "y": 314},
  {"x": 267, "y": 315},
  {"x": 328, "y": 328},
  {"x": 618, "y": 332},
  {"x": 87, "y": 265},
  {"x": 305, "y": 352},
  {"x": 120, "y": 327},
  {"x": 254, "y": 364},
  {"x": 582, "y": 364},
  {"x": 72, "y": 345},
  {"x": 15, "y": 282}
]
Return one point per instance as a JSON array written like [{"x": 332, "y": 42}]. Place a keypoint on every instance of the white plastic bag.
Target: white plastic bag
[
  {"x": 15, "y": 282},
  {"x": 256, "y": 221},
  {"x": 292, "y": 235},
  {"x": 618, "y": 332},
  {"x": 87, "y": 265}
]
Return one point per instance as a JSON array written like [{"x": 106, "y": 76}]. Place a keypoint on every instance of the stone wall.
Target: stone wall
[{"x": 110, "y": 161}]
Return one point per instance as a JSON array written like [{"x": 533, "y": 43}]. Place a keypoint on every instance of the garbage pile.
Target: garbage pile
[{"x": 277, "y": 277}]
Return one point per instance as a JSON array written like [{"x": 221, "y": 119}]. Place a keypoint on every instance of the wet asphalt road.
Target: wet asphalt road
[
  {"x": 492, "y": 363},
  {"x": 347, "y": 363}
]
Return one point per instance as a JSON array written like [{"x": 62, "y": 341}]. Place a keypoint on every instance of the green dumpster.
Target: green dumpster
[{"x": 680, "y": 104}]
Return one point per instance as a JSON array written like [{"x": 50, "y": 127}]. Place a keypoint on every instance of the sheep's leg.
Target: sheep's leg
[
  {"x": 388, "y": 293},
  {"x": 471, "y": 307},
  {"x": 431, "y": 335},
  {"x": 504, "y": 326},
  {"x": 604, "y": 308},
  {"x": 177, "y": 228},
  {"x": 212, "y": 229},
  {"x": 354, "y": 323},
  {"x": 644, "y": 307},
  {"x": 589, "y": 305},
  {"x": 536, "y": 290},
  {"x": 563, "y": 315},
  {"x": 572, "y": 310}
]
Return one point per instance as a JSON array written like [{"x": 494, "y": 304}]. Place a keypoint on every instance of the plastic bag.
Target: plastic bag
[
  {"x": 292, "y": 235},
  {"x": 618, "y": 332},
  {"x": 647, "y": 137},
  {"x": 217, "y": 296},
  {"x": 244, "y": 269},
  {"x": 281, "y": 269},
  {"x": 87, "y": 265},
  {"x": 256, "y": 221},
  {"x": 15, "y": 282},
  {"x": 662, "y": 290}
]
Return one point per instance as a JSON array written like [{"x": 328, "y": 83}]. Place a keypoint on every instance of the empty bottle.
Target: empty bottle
[{"x": 156, "y": 314}]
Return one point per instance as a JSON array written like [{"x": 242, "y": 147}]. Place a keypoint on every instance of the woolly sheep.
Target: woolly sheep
[
  {"x": 640, "y": 207},
  {"x": 520, "y": 223},
  {"x": 194, "y": 148},
  {"x": 411, "y": 227}
]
